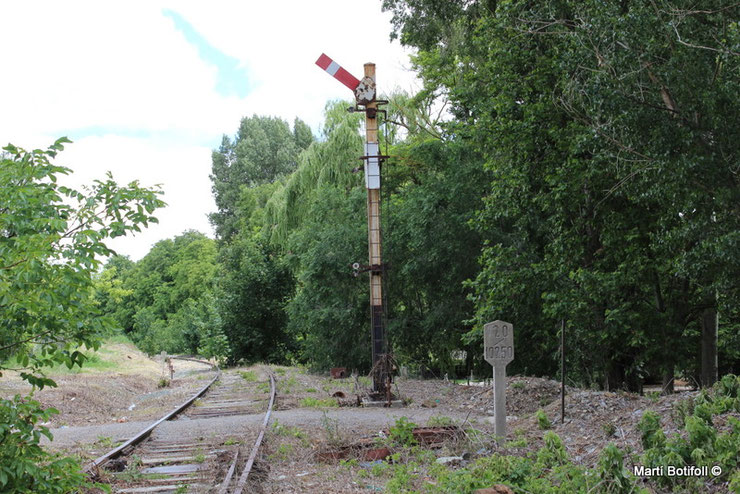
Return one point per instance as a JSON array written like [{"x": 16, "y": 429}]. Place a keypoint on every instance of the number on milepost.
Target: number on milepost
[{"x": 498, "y": 343}]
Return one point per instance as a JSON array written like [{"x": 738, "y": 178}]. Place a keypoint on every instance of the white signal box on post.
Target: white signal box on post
[{"x": 372, "y": 166}]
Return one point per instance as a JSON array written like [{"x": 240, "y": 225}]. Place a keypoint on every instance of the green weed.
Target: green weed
[
  {"x": 653, "y": 396},
  {"x": 249, "y": 376},
  {"x": 282, "y": 452},
  {"x": 286, "y": 385},
  {"x": 609, "y": 429},
  {"x": 331, "y": 430},
  {"x": 289, "y": 431},
  {"x": 401, "y": 433},
  {"x": 542, "y": 421},
  {"x": 440, "y": 421},
  {"x": 311, "y": 402},
  {"x": 105, "y": 441}
]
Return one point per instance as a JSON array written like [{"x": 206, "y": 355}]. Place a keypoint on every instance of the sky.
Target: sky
[{"x": 147, "y": 89}]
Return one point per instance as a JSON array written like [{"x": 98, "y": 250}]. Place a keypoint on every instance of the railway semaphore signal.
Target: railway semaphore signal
[{"x": 365, "y": 97}]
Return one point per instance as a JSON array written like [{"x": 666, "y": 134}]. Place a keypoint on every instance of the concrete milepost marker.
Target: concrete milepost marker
[{"x": 498, "y": 350}]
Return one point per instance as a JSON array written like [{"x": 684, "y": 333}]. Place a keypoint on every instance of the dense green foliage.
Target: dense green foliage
[
  {"x": 24, "y": 465},
  {"x": 588, "y": 174},
  {"x": 263, "y": 151},
  {"x": 312, "y": 224},
  {"x": 166, "y": 301},
  {"x": 51, "y": 241},
  {"x": 547, "y": 470},
  {"x": 610, "y": 131},
  {"x": 702, "y": 445}
]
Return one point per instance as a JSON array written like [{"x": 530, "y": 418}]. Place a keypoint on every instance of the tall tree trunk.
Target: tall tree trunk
[
  {"x": 668, "y": 380},
  {"x": 709, "y": 326},
  {"x": 614, "y": 375}
]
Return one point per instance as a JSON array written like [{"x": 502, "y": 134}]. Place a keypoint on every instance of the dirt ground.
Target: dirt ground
[
  {"x": 296, "y": 450},
  {"x": 137, "y": 389},
  {"x": 315, "y": 414}
]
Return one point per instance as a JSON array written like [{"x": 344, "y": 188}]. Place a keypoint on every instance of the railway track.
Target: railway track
[{"x": 186, "y": 450}]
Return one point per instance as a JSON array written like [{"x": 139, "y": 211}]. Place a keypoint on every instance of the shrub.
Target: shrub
[
  {"x": 402, "y": 432},
  {"x": 611, "y": 471},
  {"x": 542, "y": 421},
  {"x": 249, "y": 376},
  {"x": 24, "y": 465},
  {"x": 703, "y": 445}
]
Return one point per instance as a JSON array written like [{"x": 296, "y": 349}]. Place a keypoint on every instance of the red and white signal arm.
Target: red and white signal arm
[
  {"x": 364, "y": 89},
  {"x": 336, "y": 71}
]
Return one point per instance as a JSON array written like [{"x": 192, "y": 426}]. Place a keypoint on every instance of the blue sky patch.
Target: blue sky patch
[
  {"x": 170, "y": 136},
  {"x": 232, "y": 78}
]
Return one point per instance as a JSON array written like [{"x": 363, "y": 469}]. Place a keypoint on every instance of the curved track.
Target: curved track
[{"x": 159, "y": 461}]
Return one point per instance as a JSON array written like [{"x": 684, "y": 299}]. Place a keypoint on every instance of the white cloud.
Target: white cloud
[
  {"x": 181, "y": 171},
  {"x": 102, "y": 71}
]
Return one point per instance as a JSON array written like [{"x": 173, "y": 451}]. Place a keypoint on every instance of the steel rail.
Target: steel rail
[
  {"x": 116, "y": 452},
  {"x": 250, "y": 461},
  {"x": 229, "y": 474}
]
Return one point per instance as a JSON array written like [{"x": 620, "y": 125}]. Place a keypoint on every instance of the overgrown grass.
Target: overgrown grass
[
  {"x": 440, "y": 421},
  {"x": 249, "y": 376},
  {"x": 286, "y": 385},
  {"x": 93, "y": 362},
  {"x": 546, "y": 471},
  {"x": 121, "y": 339},
  {"x": 311, "y": 402},
  {"x": 107, "y": 358},
  {"x": 290, "y": 431},
  {"x": 282, "y": 452}
]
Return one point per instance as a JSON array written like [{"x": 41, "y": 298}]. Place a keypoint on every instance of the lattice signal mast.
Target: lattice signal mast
[{"x": 365, "y": 97}]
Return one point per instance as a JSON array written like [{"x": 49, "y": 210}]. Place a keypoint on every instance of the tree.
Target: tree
[
  {"x": 302, "y": 134},
  {"x": 434, "y": 188},
  {"x": 263, "y": 151},
  {"x": 328, "y": 315},
  {"x": 51, "y": 240},
  {"x": 610, "y": 131},
  {"x": 164, "y": 300},
  {"x": 254, "y": 287}
]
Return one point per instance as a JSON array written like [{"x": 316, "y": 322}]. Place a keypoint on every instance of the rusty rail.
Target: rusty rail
[
  {"x": 116, "y": 452},
  {"x": 255, "y": 449}
]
